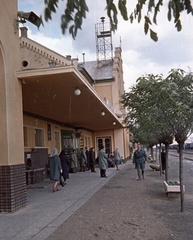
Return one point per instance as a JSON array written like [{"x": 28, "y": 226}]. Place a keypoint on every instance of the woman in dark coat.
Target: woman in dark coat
[
  {"x": 65, "y": 165},
  {"x": 55, "y": 168}
]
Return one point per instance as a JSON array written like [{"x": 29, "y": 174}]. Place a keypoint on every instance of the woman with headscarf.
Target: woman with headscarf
[
  {"x": 117, "y": 157},
  {"x": 65, "y": 166},
  {"x": 55, "y": 168}
]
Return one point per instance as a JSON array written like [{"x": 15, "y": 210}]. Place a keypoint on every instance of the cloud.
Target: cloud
[{"x": 140, "y": 54}]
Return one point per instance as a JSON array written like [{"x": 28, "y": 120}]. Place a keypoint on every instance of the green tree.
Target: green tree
[
  {"x": 144, "y": 116},
  {"x": 180, "y": 86},
  {"x": 145, "y": 10},
  {"x": 163, "y": 107}
]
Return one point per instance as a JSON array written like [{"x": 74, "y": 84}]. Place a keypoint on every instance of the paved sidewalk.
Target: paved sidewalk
[
  {"x": 126, "y": 209},
  {"x": 46, "y": 210}
]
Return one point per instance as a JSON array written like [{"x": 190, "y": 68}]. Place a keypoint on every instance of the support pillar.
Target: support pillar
[{"x": 13, "y": 194}]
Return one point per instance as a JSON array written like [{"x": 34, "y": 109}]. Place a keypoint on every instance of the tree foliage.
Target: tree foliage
[
  {"x": 143, "y": 113},
  {"x": 144, "y": 10},
  {"x": 161, "y": 106},
  {"x": 160, "y": 109}
]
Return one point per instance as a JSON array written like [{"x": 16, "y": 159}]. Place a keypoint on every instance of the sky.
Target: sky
[{"x": 140, "y": 54}]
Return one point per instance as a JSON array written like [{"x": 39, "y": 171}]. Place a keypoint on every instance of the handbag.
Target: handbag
[{"x": 62, "y": 182}]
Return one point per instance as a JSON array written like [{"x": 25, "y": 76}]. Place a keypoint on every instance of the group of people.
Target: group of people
[
  {"x": 140, "y": 157},
  {"x": 87, "y": 159},
  {"x": 103, "y": 161},
  {"x": 59, "y": 165}
]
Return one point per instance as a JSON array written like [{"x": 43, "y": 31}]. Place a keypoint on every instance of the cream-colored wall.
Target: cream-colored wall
[
  {"x": 11, "y": 98},
  {"x": 119, "y": 141},
  {"x": 38, "y": 56},
  {"x": 4, "y": 144},
  {"x": 88, "y": 139},
  {"x": 32, "y": 123},
  {"x": 105, "y": 91},
  {"x": 110, "y": 91},
  {"x": 113, "y": 90},
  {"x": 127, "y": 142},
  {"x": 103, "y": 133},
  {"x": 118, "y": 86}
]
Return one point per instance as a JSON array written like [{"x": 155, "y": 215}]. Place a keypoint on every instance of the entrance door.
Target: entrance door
[{"x": 106, "y": 142}]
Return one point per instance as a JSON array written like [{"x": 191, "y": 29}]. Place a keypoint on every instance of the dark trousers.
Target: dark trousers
[
  {"x": 92, "y": 166},
  {"x": 103, "y": 172},
  {"x": 163, "y": 164}
]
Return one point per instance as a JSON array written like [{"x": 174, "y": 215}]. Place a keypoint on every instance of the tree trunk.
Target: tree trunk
[
  {"x": 181, "y": 144},
  {"x": 167, "y": 153},
  {"x": 160, "y": 163},
  {"x": 152, "y": 155},
  {"x": 156, "y": 154}
]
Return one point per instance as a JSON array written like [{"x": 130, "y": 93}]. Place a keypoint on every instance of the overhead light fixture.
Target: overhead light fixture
[
  {"x": 114, "y": 123},
  {"x": 77, "y": 92},
  {"x": 102, "y": 113}
]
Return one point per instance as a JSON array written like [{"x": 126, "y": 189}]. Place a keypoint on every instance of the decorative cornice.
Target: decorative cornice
[{"x": 45, "y": 52}]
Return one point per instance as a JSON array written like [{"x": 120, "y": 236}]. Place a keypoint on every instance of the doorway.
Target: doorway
[{"x": 106, "y": 142}]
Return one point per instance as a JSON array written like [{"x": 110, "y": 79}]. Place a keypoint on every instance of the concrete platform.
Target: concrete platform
[{"x": 46, "y": 210}]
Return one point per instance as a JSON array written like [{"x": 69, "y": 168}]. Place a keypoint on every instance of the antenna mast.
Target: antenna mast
[{"x": 104, "y": 46}]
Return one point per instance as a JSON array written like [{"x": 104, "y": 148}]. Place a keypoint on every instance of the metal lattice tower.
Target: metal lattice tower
[{"x": 104, "y": 46}]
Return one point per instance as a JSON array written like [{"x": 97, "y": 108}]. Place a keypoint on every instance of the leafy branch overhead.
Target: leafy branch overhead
[{"x": 75, "y": 11}]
